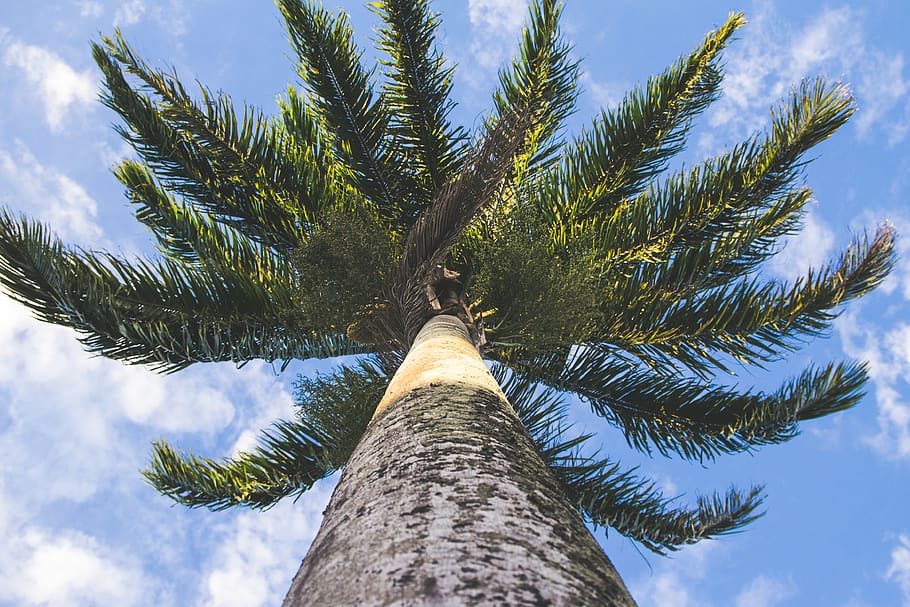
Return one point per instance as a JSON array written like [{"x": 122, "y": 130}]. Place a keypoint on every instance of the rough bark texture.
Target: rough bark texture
[{"x": 445, "y": 501}]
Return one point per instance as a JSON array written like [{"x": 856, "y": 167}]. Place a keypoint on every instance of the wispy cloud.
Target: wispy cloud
[
  {"x": 254, "y": 563},
  {"x": 675, "y": 583},
  {"x": 90, "y": 8},
  {"x": 679, "y": 582},
  {"x": 899, "y": 569},
  {"x": 773, "y": 56},
  {"x": 495, "y": 24},
  {"x": 603, "y": 94},
  {"x": 59, "y": 88},
  {"x": 129, "y": 13},
  {"x": 68, "y": 569},
  {"x": 888, "y": 356},
  {"x": 809, "y": 248},
  {"x": 764, "y": 591},
  {"x": 48, "y": 194}
]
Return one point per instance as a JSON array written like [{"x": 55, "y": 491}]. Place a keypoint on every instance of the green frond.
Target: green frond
[
  {"x": 607, "y": 496},
  {"x": 634, "y": 507},
  {"x": 341, "y": 89},
  {"x": 750, "y": 320},
  {"x": 441, "y": 226},
  {"x": 160, "y": 314},
  {"x": 628, "y": 146},
  {"x": 719, "y": 260},
  {"x": 310, "y": 146},
  {"x": 341, "y": 403},
  {"x": 714, "y": 199},
  {"x": 689, "y": 417},
  {"x": 190, "y": 236},
  {"x": 237, "y": 169},
  {"x": 542, "y": 83},
  {"x": 428, "y": 148},
  {"x": 288, "y": 460}
]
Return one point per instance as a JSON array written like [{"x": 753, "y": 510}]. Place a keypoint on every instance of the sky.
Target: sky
[{"x": 78, "y": 525}]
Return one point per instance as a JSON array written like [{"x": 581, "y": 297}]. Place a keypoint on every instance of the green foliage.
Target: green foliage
[
  {"x": 293, "y": 236},
  {"x": 341, "y": 403},
  {"x": 533, "y": 297},
  {"x": 428, "y": 148},
  {"x": 608, "y": 496},
  {"x": 343, "y": 264},
  {"x": 342, "y": 94},
  {"x": 541, "y": 81},
  {"x": 289, "y": 459}
]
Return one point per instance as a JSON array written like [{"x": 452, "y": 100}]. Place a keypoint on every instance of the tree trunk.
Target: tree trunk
[{"x": 445, "y": 501}]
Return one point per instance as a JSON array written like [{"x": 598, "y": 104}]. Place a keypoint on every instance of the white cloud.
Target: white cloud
[
  {"x": 888, "y": 356},
  {"x": 899, "y": 570},
  {"x": 902, "y": 268},
  {"x": 830, "y": 37},
  {"x": 679, "y": 581},
  {"x": 254, "y": 564},
  {"x": 93, "y": 410},
  {"x": 882, "y": 86},
  {"x": 604, "y": 95},
  {"x": 764, "y": 592},
  {"x": 496, "y": 24},
  {"x": 809, "y": 248},
  {"x": 81, "y": 427},
  {"x": 90, "y": 8},
  {"x": 67, "y": 569},
  {"x": 772, "y": 57},
  {"x": 48, "y": 195},
  {"x": 60, "y": 87},
  {"x": 148, "y": 400},
  {"x": 129, "y": 13},
  {"x": 504, "y": 16},
  {"x": 675, "y": 581}
]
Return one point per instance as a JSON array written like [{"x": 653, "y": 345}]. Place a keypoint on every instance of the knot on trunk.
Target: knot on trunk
[{"x": 446, "y": 295}]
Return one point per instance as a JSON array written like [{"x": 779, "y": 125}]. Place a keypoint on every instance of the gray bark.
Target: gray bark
[{"x": 445, "y": 501}]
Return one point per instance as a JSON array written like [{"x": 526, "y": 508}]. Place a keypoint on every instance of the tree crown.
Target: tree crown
[{"x": 340, "y": 224}]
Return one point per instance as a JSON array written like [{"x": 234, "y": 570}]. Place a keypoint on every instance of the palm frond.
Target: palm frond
[
  {"x": 715, "y": 198},
  {"x": 341, "y": 90},
  {"x": 608, "y": 496},
  {"x": 341, "y": 403},
  {"x": 630, "y": 145},
  {"x": 542, "y": 83},
  {"x": 288, "y": 460},
  {"x": 160, "y": 314},
  {"x": 689, "y": 417},
  {"x": 427, "y": 146},
  {"x": 187, "y": 235},
  {"x": 438, "y": 229},
  {"x": 750, "y": 320},
  {"x": 240, "y": 170}
]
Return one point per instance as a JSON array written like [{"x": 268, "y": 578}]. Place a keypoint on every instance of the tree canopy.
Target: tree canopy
[{"x": 585, "y": 264}]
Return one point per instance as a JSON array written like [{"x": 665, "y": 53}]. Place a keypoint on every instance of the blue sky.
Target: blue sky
[{"x": 78, "y": 525}]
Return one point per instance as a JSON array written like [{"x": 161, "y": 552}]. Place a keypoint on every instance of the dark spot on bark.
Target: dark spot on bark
[
  {"x": 539, "y": 599},
  {"x": 418, "y": 510},
  {"x": 430, "y": 586},
  {"x": 485, "y": 491}
]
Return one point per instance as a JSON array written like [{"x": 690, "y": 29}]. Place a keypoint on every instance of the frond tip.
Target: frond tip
[
  {"x": 288, "y": 460},
  {"x": 605, "y": 495}
]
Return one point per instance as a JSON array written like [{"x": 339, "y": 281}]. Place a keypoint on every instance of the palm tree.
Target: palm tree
[{"x": 478, "y": 278}]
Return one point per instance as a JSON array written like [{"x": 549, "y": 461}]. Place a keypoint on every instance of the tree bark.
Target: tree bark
[{"x": 446, "y": 501}]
